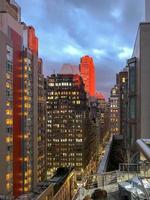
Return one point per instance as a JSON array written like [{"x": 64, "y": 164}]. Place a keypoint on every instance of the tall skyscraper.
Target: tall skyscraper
[
  {"x": 66, "y": 110},
  {"x": 18, "y": 103},
  {"x": 10, "y": 100},
  {"x": 29, "y": 107},
  {"x": 87, "y": 71},
  {"x": 67, "y": 121}
]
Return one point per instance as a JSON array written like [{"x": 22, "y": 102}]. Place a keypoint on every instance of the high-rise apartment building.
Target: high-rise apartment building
[
  {"x": 18, "y": 103},
  {"x": 42, "y": 167},
  {"x": 29, "y": 108},
  {"x": 114, "y": 125},
  {"x": 87, "y": 71},
  {"x": 66, "y": 122},
  {"x": 10, "y": 99}
]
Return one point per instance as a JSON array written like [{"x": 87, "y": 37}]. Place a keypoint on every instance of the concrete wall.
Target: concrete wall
[
  {"x": 142, "y": 54},
  {"x": 145, "y": 80},
  {"x": 136, "y": 53}
]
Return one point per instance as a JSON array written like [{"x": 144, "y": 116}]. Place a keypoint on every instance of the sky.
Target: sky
[{"x": 70, "y": 29}]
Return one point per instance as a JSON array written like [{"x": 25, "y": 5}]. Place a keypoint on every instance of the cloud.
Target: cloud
[
  {"x": 68, "y": 29},
  {"x": 125, "y": 53},
  {"x": 72, "y": 51},
  {"x": 99, "y": 52}
]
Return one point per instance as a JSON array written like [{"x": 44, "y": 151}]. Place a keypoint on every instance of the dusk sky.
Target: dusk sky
[{"x": 69, "y": 29}]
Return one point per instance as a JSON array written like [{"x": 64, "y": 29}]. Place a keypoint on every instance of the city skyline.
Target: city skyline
[
  {"x": 56, "y": 19},
  {"x": 61, "y": 138}
]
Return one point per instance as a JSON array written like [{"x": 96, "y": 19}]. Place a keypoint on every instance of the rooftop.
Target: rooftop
[{"x": 55, "y": 182}]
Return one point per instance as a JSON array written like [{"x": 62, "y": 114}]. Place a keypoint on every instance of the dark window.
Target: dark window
[
  {"x": 132, "y": 107},
  {"x": 132, "y": 77}
]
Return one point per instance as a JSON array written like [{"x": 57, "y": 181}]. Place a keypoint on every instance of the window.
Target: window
[
  {"x": 123, "y": 80},
  {"x": 8, "y": 158},
  {"x": 9, "y": 130},
  {"x": 8, "y": 103},
  {"x": 132, "y": 77},
  {"x": 9, "y": 121},
  {"x": 51, "y": 84},
  {"x": 8, "y": 112},
  {"x": 8, "y": 93},
  {"x": 132, "y": 107},
  {"x": 9, "y": 67},
  {"x": 8, "y": 186}
]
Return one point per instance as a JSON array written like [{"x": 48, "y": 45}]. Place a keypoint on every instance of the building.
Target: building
[
  {"x": 123, "y": 100},
  {"x": 64, "y": 184},
  {"x": 114, "y": 113},
  {"x": 42, "y": 166},
  {"x": 18, "y": 103},
  {"x": 29, "y": 107},
  {"x": 71, "y": 126},
  {"x": 66, "y": 115},
  {"x": 93, "y": 136},
  {"x": 87, "y": 72},
  {"x": 103, "y": 114},
  {"x": 60, "y": 186},
  {"x": 139, "y": 79},
  {"x": 69, "y": 69},
  {"x": 10, "y": 99}
]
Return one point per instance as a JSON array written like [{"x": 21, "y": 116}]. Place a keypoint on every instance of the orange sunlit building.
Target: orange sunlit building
[{"x": 87, "y": 71}]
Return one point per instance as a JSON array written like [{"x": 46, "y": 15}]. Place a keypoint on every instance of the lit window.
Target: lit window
[
  {"x": 8, "y": 112},
  {"x": 8, "y": 176},
  {"x": 8, "y": 85},
  {"x": 8, "y": 103},
  {"x": 9, "y": 139},
  {"x": 9, "y": 121},
  {"x": 8, "y": 158},
  {"x": 123, "y": 80},
  {"x": 8, "y": 76},
  {"x": 8, "y": 186},
  {"x": 77, "y": 102},
  {"x": 78, "y": 140}
]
